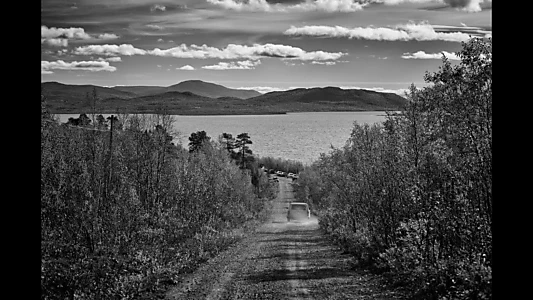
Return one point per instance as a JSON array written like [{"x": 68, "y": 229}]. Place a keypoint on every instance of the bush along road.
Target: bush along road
[{"x": 282, "y": 260}]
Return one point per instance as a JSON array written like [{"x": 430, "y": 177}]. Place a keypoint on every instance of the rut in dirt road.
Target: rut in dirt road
[{"x": 282, "y": 260}]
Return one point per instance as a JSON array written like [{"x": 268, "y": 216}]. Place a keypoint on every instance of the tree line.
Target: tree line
[
  {"x": 125, "y": 211},
  {"x": 281, "y": 164},
  {"x": 411, "y": 198}
]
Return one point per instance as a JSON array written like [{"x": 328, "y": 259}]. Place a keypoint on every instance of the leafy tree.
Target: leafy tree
[
  {"x": 245, "y": 153},
  {"x": 197, "y": 140},
  {"x": 84, "y": 120},
  {"x": 101, "y": 121},
  {"x": 412, "y": 197},
  {"x": 117, "y": 209},
  {"x": 229, "y": 141}
]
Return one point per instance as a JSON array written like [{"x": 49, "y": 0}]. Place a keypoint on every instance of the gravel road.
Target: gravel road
[{"x": 282, "y": 260}]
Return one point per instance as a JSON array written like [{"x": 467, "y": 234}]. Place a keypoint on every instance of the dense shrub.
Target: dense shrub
[
  {"x": 412, "y": 197},
  {"x": 124, "y": 212}
]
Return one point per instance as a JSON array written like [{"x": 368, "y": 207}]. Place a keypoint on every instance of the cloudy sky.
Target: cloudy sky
[{"x": 262, "y": 44}]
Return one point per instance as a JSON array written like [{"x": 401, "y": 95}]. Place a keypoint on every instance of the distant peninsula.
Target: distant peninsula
[{"x": 195, "y": 97}]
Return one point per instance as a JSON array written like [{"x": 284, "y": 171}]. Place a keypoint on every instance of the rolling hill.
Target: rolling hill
[
  {"x": 178, "y": 99},
  {"x": 197, "y": 87},
  {"x": 212, "y": 90},
  {"x": 331, "y": 99},
  {"x": 71, "y": 97}
]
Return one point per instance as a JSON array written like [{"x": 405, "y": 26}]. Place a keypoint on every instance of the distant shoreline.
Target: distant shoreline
[{"x": 223, "y": 113}]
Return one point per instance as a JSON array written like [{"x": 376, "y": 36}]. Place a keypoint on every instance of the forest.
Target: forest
[
  {"x": 125, "y": 211},
  {"x": 411, "y": 198}
]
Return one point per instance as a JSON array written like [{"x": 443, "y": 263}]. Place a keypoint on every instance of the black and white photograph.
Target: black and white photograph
[{"x": 266, "y": 149}]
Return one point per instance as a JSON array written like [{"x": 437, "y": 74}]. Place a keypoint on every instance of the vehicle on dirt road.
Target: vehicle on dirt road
[{"x": 298, "y": 211}]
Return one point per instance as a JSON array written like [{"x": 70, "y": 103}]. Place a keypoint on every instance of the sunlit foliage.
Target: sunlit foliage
[
  {"x": 124, "y": 212},
  {"x": 412, "y": 197}
]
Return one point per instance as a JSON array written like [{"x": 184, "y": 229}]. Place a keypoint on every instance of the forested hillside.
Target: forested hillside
[
  {"x": 124, "y": 211},
  {"x": 412, "y": 198}
]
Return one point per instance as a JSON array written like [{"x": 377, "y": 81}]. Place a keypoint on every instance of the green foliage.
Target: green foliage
[
  {"x": 123, "y": 216},
  {"x": 412, "y": 197}
]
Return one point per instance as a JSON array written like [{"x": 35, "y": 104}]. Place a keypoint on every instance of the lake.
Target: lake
[{"x": 296, "y": 136}]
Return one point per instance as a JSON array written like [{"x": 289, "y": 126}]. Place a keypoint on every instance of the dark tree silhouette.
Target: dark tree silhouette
[
  {"x": 245, "y": 153},
  {"x": 197, "y": 140},
  {"x": 101, "y": 121}
]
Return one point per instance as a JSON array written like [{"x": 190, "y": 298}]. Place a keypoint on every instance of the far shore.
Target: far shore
[{"x": 221, "y": 113}]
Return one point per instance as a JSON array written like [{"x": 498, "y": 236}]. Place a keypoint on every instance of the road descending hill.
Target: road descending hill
[{"x": 282, "y": 261}]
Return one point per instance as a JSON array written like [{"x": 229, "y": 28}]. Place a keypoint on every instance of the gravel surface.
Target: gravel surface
[{"x": 282, "y": 260}]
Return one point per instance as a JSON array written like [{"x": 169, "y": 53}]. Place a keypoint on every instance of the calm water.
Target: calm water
[{"x": 297, "y": 136}]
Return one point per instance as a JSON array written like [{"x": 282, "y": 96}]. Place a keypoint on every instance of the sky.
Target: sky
[{"x": 266, "y": 45}]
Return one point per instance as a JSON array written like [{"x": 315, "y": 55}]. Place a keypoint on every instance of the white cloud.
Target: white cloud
[
  {"x": 111, "y": 59},
  {"x": 405, "y": 32},
  {"x": 308, "y": 5},
  {"x": 70, "y": 33},
  {"x": 232, "y": 51},
  {"x": 327, "y": 63},
  {"x": 465, "y": 5},
  {"x": 424, "y": 55},
  {"x": 156, "y": 27},
  {"x": 158, "y": 7},
  {"x": 335, "y": 5},
  {"x": 59, "y": 36},
  {"x": 261, "y": 89},
  {"x": 107, "y": 36},
  {"x": 394, "y": 2},
  {"x": 93, "y": 66},
  {"x": 186, "y": 68},
  {"x": 55, "y": 42},
  {"x": 238, "y": 65},
  {"x": 109, "y": 50},
  {"x": 330, "y": 5}
]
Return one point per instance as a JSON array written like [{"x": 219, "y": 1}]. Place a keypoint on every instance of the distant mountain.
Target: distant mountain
[
  {"x": 197, "y": 87},
  {"x": 142, "y": 90},
  {"x": 57, "y": 89},
  {"x": 70, "y": 96},
  {"x": 330, "y": 99},
  {"x": 211, "y": 90},
  {"x": 63, "y": 98}
]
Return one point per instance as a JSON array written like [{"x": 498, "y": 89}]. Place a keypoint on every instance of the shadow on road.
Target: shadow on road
[{"x": 303, "y": 274}]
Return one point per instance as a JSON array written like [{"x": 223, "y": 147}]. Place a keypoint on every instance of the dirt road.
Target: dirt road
[{"x": 281, "y": 261}]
